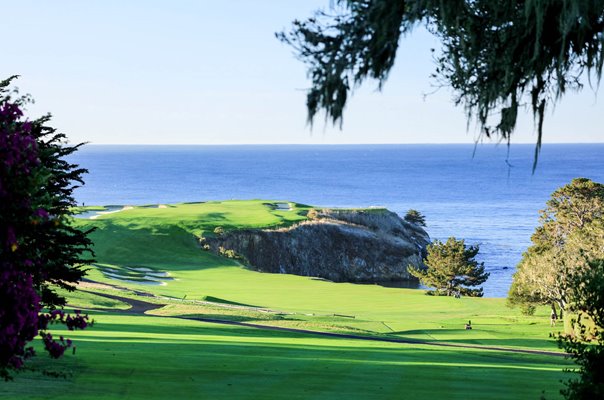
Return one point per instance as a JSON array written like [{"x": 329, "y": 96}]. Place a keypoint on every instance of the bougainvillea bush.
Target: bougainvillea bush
[{"x": 39, "y": 249}]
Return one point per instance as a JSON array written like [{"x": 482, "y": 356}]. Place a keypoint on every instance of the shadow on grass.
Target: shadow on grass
[
  {"x": 162, "y": 247},
  {"x": 237, "y": 362},
  {"x": 223, "y": 301}
]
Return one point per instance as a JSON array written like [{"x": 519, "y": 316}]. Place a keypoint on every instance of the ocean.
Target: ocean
[{"x": 486, "y": 195}]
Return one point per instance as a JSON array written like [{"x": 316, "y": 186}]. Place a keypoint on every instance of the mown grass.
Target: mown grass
[
  {"x": 142, "y": 357},
  {"x": 127, "y": 356},
  {"x": 164, "y": 240}
]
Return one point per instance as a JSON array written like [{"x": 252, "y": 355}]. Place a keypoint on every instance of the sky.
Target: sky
[{"x": 212, "y": 72}]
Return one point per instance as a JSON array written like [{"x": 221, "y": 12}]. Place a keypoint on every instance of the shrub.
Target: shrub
[{"x": 39, "y": 248}]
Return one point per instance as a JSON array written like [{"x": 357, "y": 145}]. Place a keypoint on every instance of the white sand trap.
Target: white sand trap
[
  {"x": 101, "y": 213},
  {"x": 283, "y": 206},
  {"x": 140, "y": 269},
  {"x": 162, "y": 206}
]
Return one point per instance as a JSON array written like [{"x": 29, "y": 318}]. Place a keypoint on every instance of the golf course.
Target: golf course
[{"x": 173, "y": 320}]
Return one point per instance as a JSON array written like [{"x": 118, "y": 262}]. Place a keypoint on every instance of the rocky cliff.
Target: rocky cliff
[{"x": 339, "y": 245}]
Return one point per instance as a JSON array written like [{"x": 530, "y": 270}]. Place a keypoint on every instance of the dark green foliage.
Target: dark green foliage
[
  {"x": 415, "y": 217},
  {"x": 451, "y": 269},
  {"x": 40, "y": 250},
  {"x": 496, "y": 55},
  {"x": 588, "y": 301}
]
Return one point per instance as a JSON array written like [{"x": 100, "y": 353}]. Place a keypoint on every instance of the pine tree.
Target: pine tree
[
  {"x": 415, "y": 217},
  {"x": 452, "y": 269}
]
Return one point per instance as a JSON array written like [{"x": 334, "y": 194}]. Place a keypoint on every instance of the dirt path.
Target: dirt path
[{"x": 140, "y": 307}]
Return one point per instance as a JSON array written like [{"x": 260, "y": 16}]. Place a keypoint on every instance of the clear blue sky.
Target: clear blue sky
[{"x": 212, "y": 72}]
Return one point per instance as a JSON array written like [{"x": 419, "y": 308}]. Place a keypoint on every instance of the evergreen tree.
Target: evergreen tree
[
  {"x": 451, "y": 269},
  {"x": 415, "y": 217}
]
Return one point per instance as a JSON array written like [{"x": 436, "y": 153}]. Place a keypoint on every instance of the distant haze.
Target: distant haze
[{"x": 212, "y": 72}]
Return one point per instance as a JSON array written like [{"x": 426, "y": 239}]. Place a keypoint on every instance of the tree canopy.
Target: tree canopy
[
  {"x": 571, "y": 233},
  {"x": 415, "y": 217},
  {"x": 497, "y": 56},
  {"x": 587, "y": 301},
  {"x": 40, "y": 249},
  {"x": 452, "y": 269}
]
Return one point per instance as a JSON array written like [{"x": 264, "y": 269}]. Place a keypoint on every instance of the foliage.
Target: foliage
[
  {"x": 415, "y": 217},
  {"x": 587, "y": 300},
  {"x": 219, "y": 230},
  {"x": 571, "y": 231},
  {"x": 451, "y": 268},
  {"x": 39, "y": 249},
  {"x": 312, "y": 214},
  {"x": 495, "y": 55}
]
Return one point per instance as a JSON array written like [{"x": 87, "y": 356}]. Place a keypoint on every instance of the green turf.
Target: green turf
[
  {"x": 150, "y": 357},
  {"x": 164, "y": 240},
  {"x": 82, "y": 299},
  {"x": 158, "y": 358}
]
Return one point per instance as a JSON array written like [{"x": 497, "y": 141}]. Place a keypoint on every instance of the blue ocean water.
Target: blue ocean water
[{"x": 485, "y": 195}]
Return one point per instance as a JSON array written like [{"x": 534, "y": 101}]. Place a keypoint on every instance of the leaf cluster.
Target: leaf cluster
[
  {"x": 571, "y": 233},
  {"x": 415, "y": 217},
  {"x": 588, "y": 301},
  {"x": 40, "y": 248},
  {"x": 497, "y": 56}
]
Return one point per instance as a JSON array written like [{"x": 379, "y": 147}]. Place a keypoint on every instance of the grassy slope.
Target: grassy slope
[{"x": 149, "y": 357}]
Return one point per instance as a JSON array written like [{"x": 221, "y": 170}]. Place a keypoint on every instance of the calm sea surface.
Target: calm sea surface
[{"x": 482, "y": 198}]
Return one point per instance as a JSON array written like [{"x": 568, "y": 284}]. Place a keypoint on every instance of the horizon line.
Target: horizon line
[{"x": 336, "y": 144}]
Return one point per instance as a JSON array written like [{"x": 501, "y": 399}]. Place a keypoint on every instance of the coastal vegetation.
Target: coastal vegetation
[
  {"x": 563, "y": 268},
  {"x": 40, "y": 250},
  {"x": 571, "y": 233},
  {"x": 451, "y": 269},
  {"x": 415, "y": 217}
]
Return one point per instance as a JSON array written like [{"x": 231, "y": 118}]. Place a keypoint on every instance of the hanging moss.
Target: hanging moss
[{"x": 496, "y": 55}]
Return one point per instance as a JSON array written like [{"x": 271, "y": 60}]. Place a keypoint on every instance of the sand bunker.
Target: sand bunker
[
  {"x": 135, "y": 274},
  {"x": 280, "y": 206},
  {"x": 94, "y": 214}
]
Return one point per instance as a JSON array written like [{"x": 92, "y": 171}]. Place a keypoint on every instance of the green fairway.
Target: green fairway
[
  {"x": 157, "y": 358},
  {"x": 165, "y": 240},
  {"x": 156, "y": 251}
]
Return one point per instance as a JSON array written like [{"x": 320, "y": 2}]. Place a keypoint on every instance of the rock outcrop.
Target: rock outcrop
[{"x": 339, "y": 245}]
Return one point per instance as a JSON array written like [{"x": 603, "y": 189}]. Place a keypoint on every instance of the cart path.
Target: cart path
[{"x": 140, "y": 307}]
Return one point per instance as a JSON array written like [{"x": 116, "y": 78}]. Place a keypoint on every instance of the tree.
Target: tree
[
  {"x": 496, "y": 56},
  {"x": 571, "y": 231},
  {"x": 587, "y": 300},
  {"x": 451, "y": 269},
  {"x": 415, "y": 217},
  {"x": 40, "y": 250}
]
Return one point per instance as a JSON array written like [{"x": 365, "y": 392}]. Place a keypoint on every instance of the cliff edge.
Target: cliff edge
[{"x": 368, "y": 245}]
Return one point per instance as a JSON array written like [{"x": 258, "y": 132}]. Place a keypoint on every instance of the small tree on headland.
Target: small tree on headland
[
  {"x": 451, "y": 269},
  {"x": 40, "y": 249},
  {"x": 415, "y": 217}
]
